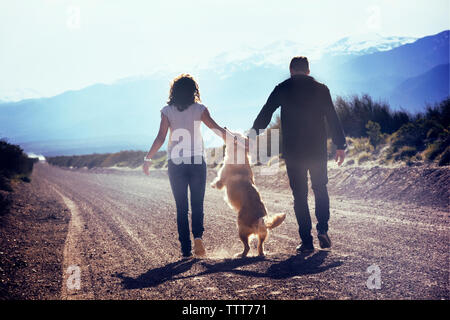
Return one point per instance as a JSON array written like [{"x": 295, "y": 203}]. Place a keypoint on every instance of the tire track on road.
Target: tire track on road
[{"x": 73, "y": 258}]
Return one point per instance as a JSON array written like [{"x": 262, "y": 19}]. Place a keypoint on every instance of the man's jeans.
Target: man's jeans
[
  {"x": 181, "y": 176},
  {"x": 297, "y": 172}
]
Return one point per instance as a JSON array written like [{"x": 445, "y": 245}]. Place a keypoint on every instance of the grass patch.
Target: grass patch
[
  {"x": 358, "y": 146},
  {"x": 445, "y": 157},
  {"x": 14, "y": 164},
  {"x": 350, "y": 162},
  {"x": 364, "y": 157},
  {"x": 405, "y": 153}
]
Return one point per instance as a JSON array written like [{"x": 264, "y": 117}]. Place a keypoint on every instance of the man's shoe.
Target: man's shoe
[
  {"x": 199, "y": 249},
  {"x": 324, "y": 240},
  {"x": 305, "y": 249}
]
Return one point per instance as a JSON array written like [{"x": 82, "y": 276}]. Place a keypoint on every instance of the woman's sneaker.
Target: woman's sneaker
[
  {"x": 324, "y": 240},
  {"x": 199, "y": 249},
  {"x": 187, "y": 255}
]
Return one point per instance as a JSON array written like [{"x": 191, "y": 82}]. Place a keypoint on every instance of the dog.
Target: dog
[{"x": 241, "y": 194}]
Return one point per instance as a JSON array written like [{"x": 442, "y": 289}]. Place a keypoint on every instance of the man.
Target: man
[{"x": 305, "y": 106}]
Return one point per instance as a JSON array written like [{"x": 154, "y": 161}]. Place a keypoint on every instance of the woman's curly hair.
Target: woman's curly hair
[{"x": 183, "y": 92}]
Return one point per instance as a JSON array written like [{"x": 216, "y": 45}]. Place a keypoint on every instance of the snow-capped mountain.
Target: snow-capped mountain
[
  {"x": 274, "y": 54},
  {"x": 19, "y": 94},
  {"x": 280, "y": 52},
  {"x": 366, "y": 44}
]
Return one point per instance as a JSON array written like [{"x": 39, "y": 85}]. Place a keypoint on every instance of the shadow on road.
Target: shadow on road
[
  {"x": 298, "y": 265},
  {"x": 295, "y": 265},
  {"x": 154, "y": 277}
]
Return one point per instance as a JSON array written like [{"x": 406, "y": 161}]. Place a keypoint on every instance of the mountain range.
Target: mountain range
[{"x": 404, "y": 71}]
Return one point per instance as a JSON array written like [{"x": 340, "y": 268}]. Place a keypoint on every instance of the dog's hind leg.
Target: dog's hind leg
[
  {"x": 262, "y": 235},
  {"x": 244, "y": 238}
]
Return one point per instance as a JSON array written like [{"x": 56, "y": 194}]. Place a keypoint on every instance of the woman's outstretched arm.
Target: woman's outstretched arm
[
  {"x": 210, "y": 123},
  {"x": 224, "y": 133},
  {"x": 159, "y": 141}
]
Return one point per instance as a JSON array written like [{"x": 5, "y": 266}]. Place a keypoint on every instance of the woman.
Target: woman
[{"x": 186, "y": 165}]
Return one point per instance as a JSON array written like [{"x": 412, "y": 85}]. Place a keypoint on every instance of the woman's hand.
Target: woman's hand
[
  {"x": 159, "y": 141},
  {"x": 146, "y": 167}
]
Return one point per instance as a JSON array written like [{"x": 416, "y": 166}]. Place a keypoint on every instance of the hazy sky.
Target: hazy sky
[{"x": 49, "y": 46}]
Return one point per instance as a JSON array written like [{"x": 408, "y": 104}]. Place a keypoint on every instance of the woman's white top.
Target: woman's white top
[{"x": 185, "y": 140}]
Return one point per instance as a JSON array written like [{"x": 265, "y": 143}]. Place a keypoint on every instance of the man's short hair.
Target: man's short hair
[{"x": 299, "y": 63}]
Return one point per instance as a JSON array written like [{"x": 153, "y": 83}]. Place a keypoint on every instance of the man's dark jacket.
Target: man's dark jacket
[{"x": 305, "y": 106}]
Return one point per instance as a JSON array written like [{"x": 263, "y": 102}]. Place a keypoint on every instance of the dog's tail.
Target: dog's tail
[{"x": 274, "y": 220}]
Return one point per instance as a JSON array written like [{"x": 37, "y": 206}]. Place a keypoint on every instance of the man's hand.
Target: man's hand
[
  {"x": 146, "y": 167},
  {"x": 340, "y": 156}
]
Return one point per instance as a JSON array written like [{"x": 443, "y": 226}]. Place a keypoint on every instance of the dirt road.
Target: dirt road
[{"x": 123, "y": 237}]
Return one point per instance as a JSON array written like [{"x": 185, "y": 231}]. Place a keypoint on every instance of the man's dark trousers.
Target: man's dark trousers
[{"x": 297, "y": 170}]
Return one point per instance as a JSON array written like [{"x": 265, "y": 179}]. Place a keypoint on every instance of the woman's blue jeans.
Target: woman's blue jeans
[{"x": 193, "y": 176}]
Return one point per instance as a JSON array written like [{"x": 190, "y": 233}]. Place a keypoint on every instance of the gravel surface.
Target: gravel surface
[
  {"x": 123, "y": 237},
  {"x": 33, "y": 232}
]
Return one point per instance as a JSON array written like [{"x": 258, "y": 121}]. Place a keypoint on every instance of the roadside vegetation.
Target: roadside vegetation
[
  {"x": 14, "y": 165},
  {"x": 387, "y": 137},
  {"x": 122, "y": 159}
]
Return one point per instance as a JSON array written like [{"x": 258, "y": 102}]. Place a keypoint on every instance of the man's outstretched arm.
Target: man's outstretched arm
[{"x": 265, "y": 115}]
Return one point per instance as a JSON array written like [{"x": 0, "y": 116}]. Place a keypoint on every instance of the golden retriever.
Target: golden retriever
[{"x": 242, "y": 195}]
